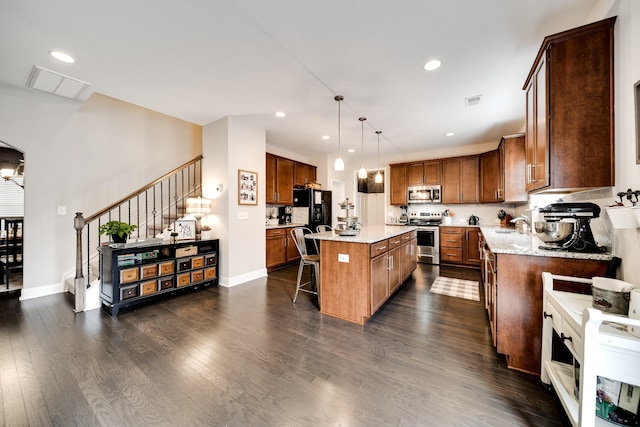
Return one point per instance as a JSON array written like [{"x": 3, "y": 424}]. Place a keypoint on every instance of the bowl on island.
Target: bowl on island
[{"x": 554, "y": 232}]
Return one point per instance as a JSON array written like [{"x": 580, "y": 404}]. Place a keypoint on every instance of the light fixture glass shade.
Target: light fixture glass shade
[
  {"x": 339, "y": 164},
  {"x": 7, "y": 173},
  {"x": 362, "y": 173},
  {"x": 379, "y": 178}
]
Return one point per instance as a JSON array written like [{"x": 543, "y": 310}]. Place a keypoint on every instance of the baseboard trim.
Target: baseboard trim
[
  {"x": 41, "y": 291},
  {"x": 229, "y": 282}
]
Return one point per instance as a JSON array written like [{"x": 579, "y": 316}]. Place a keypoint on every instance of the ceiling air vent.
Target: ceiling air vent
[
  {"x": 472, "y": 101},
  {"x": 56, "y": 83}
]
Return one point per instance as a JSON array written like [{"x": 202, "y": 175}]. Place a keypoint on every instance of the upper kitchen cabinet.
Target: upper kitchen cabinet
[
  {"x": 279, "y": 180},
  {"x": 398, "y": 184},
  {"x": 423, "y": 173},
  {"x": 460, "y": 180},
  {"x": 502, "y": 171},
  {"x": 569, "y": 111},
  {"x": 303, "y": 173}
]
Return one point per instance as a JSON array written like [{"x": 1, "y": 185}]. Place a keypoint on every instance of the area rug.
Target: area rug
[{"x": 458, "y": 288}]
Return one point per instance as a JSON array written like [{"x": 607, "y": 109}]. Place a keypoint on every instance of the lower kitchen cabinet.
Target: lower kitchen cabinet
[
  {"x": 459, "y": 245},
  {"x": 518, "y": 302},
  {"x": 280, "y": 248},
  {"x": 133, "y": 276}
]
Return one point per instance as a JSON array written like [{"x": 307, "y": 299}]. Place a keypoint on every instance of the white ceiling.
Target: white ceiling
[{"x": 200, "y": 60}]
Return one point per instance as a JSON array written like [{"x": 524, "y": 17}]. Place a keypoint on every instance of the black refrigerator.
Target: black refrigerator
[{"x": 319, "y": 204}]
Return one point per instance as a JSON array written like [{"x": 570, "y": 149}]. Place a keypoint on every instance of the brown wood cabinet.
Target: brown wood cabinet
[
  {"x": 280, "y": 248},
  {"x": 490, "y": 177},
  {"x": 425, "y": 172},
  {"x": 460, "y": 179},
  {"x": 356, "y": 287},
  {"x": 303, "y": 173},
  {"x": 518, "y": 301},
  {"x": 569, "y": 110},
  {"x": 279, "y": 173},
  {"x": 398, "y": 184},
  {"x": 513, "y": 177},
  {"x": 460, "y": 245},
  {"x": 282, "y": 175}
]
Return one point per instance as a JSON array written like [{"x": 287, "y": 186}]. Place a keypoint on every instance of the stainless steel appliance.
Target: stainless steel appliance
[
  {"x": 428, "y": 232},
  {"x": 318, "y": 202},
  {"x": 558, "y": 235},
  {"x": 424, "y": 194}
]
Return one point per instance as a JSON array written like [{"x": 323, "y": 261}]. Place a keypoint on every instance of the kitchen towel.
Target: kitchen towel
[{"x": 459, "y": 288}]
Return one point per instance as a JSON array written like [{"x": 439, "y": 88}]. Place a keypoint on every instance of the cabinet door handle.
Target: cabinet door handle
[
  {"x": 564, "y": 337},
  {"x": 545, "y": 315},
  {"x": 529, "y": 173},
  {"x": 382, "y": 248},
  {"x": 390, "y": 263}
]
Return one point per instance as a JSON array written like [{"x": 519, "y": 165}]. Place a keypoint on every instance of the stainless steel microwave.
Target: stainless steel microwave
[{"x": 424, "y": 194}]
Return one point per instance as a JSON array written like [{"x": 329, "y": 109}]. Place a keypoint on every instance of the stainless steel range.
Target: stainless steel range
[{"x": 428, "y": 224}]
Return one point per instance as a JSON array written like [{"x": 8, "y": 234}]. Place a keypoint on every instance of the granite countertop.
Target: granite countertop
[
  {"x": 367, "y": 234},
  {"x": 271, "y": 226},
  {"x": 509, "y": 241}
]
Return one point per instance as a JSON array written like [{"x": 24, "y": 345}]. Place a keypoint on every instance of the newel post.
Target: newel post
[{"x": 80, "y": 289}]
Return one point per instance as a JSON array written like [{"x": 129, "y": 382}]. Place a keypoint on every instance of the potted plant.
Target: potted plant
[{"x": 119, "y": 231}]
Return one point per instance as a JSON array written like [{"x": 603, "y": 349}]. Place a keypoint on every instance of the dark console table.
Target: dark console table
[{"x": 132, "y": 276}]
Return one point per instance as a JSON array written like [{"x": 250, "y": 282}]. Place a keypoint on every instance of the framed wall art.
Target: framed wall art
[
  {"x": 247, "y": 187},
  {"x": 186, "y": 229}
]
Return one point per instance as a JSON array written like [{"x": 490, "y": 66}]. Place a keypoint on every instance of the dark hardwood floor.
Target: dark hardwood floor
[{"x": 248, "y": 356}]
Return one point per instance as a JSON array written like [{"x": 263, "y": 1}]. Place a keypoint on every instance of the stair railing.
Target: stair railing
[{"x": 152, "y": 208}]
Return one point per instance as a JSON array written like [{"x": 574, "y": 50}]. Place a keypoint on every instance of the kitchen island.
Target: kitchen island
[
  {"x": 513, "y": 266},
  {"x": 359, "y": 273}
]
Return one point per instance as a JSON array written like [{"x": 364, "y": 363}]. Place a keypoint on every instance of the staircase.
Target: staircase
[{"x": 153, "y": 208}]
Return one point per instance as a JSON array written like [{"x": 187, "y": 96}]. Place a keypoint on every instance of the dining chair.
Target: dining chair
[
  {"x": 322, "y": 228},
  {"x": 306, "y": 259}
]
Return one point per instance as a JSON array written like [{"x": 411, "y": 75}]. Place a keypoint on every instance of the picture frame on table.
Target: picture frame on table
[
  {"x": 186, "y": 229},
  {"x": 247, "y": 187}
]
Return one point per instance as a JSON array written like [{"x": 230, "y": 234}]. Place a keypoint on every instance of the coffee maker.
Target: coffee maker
[
  {"x": 284, "y": 214},
  {"x": 581, "y": 238}
]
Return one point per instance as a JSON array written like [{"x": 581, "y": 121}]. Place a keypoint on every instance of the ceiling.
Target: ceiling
[{"x": 200, "y": 60}]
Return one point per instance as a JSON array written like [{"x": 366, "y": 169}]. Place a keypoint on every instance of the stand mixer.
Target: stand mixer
[{"x": 580, "y": 238}]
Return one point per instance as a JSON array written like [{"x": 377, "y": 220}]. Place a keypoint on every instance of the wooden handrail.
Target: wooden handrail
[{"x": 140, "y": 190}]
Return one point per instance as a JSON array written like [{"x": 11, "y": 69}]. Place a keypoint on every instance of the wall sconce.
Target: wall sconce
[
  {"x": 198, "y": 207},
  {"x": 219, "y": 188}
]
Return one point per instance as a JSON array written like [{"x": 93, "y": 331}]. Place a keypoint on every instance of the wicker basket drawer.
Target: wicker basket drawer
[
  {"x": 197, "y": 262},
  {"x": 185, "y": 251},
  {"x": 149, "y": 287},
  {"x": 210, "y": 273},
  {"x": 129, "y": 275},
  {"x": 147, "y": 271},
  {"x": 166, "y": 267},
  {"x": 184, "y": 279},
  {"x": 165, "y": 283},
  {"x": 197, "y": 276},
  {"x": 128, "y": 292},
  {"x": 211, "y": 259}
]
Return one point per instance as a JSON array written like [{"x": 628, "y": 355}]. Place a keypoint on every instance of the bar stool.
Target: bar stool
[
  {"x": 323, "y": 228},
  {"x": 298, "y": 234}
]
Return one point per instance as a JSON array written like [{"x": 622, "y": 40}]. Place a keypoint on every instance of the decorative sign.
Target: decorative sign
[{"x": 186, "y": 229}]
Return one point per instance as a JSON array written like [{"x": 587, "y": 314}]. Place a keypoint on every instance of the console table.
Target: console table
[{"x": 132, "y": 276}]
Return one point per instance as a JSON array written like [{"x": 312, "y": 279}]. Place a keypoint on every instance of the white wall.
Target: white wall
[
  {"x": 230, "y": 144},
  {"x": 82, "y": 156}
]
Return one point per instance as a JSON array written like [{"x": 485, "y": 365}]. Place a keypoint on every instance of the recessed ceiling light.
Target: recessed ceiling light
[
  {"x": 449, "y": 134},
  {"x": 280, "y": 114},
  {"x": 434, "y": 64},
  {"x": 63, "y": 57},
  {"x": 326, "y": 137},
  {"x": 351, "y": 150}
]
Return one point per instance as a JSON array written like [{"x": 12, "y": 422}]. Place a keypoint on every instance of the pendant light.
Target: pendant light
[
  {"x": 379, "y": 178},
  {"x": 362, "y": 173},
  {"x": 339, "y": 163}
]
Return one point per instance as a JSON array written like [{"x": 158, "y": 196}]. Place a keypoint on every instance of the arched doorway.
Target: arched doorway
[{"x": 11, "y": 217}]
